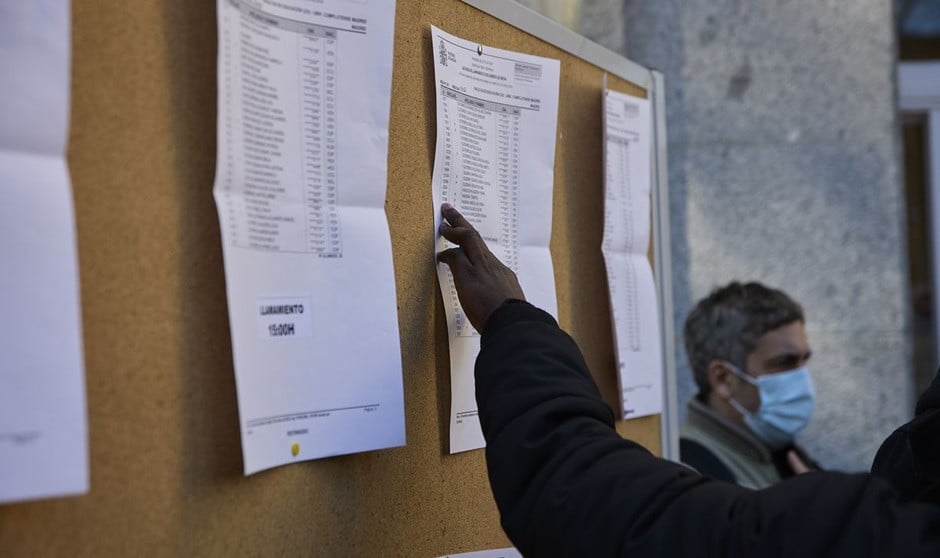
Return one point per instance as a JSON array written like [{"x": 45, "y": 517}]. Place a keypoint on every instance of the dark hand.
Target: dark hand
[
  {"x": 798, "y": 466},
  {"x": 483, "y": 282}
]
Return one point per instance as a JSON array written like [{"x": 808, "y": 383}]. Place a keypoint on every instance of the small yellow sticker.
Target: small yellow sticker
[{"x": 295, "y": 449}]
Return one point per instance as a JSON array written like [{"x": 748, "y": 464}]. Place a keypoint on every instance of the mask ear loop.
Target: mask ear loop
[
  {"x": 740, "y": 373},
  {"x": 739, "y": 407},
  {"x": 747, "y": 378}
]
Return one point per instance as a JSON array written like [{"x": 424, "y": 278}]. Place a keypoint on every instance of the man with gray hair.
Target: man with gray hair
[{"x": 747, "y": 346}]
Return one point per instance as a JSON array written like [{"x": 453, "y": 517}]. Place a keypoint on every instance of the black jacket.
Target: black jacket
[
  {"x": 567, "y": 484},
  {"x": 910, "y": 457}
]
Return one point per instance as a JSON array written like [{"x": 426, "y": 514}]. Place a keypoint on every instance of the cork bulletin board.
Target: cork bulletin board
[{"x": 166, "y": 466}]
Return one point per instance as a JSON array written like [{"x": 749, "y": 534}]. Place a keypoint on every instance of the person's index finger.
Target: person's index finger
[
  {"x": 462, "y": 233},
  {"x": 454, "y": 217},
  {"x": 467, "y": 239},
  {"x": 452, "y": 234}
]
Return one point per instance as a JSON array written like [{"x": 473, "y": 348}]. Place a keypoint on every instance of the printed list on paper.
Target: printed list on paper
[
  {"x": 304, "y": 92},
  {"x": 637, "y": 343},
  {"x": 496, "y": 118}
]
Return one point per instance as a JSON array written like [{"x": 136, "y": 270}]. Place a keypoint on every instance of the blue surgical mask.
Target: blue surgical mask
[{"x": 786, "y": 404}]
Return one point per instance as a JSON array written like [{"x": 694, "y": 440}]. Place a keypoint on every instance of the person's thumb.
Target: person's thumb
[{"x": 797, "y": 464}]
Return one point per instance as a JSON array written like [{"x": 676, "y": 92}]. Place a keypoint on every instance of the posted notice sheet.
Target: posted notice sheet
[
  {"x": 637, "y": 343},
  {"x": 304, "y": 90},
  {"x": 43, "y": 421},
  {"x": 494, "y": 161}
]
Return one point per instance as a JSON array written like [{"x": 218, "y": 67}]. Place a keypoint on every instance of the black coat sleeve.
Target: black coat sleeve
[
  {"x": 910, "y": 458},
  {"x": 700, "y": 458},
  {"x": 566, "y": 484}
]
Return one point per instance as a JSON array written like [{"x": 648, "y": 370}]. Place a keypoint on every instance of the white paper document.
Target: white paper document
[
  {"x": 304, "y": 90},
  {"x": 637, "y": 343},
  {"x": 497, "y": 553},
  {"x": 496, "y": 118},
  {"x": 43, "y": 423}
]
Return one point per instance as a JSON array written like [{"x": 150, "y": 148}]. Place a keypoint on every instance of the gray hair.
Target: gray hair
[{"x": 726, "y": 325}]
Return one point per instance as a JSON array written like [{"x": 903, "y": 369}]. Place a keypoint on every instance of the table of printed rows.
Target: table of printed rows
[
  {"x": 269, "y": 210},
  {"x": 480, "y": 174},
  {"x": 618, "y": 182}
]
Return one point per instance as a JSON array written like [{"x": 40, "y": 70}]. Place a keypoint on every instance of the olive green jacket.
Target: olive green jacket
[{"x": 746, "y": 457}]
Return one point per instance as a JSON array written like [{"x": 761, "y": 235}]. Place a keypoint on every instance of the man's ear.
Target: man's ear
[{"x": 718, "y": 379}]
